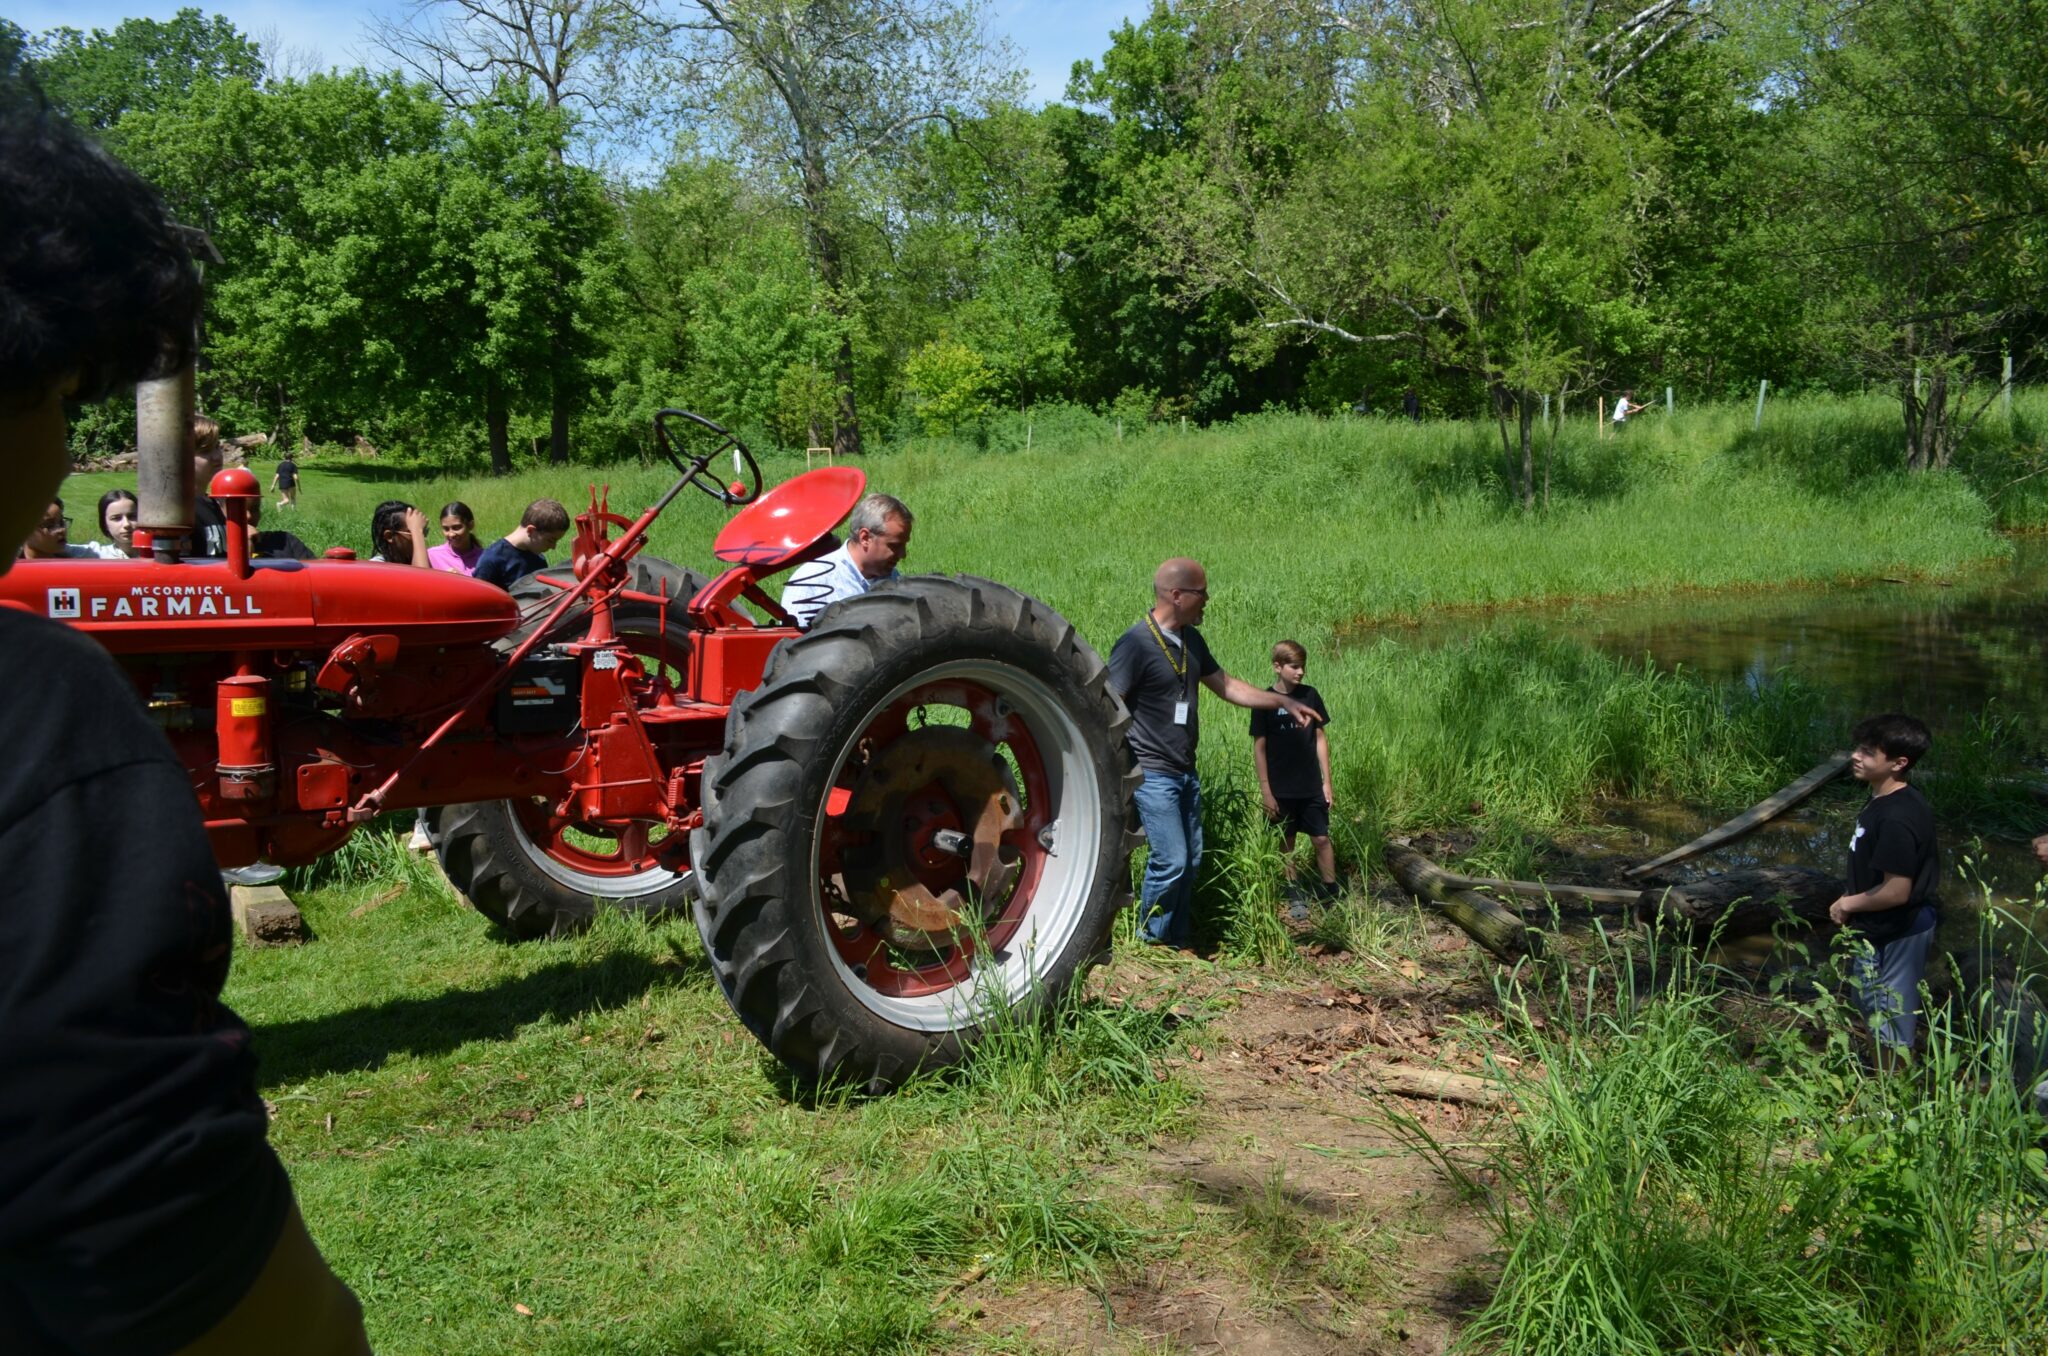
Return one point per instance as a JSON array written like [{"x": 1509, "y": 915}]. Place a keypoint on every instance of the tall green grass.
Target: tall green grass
[
  {"x": 1658, "y": 1191},
  {"x": 578, "y": 1127}
]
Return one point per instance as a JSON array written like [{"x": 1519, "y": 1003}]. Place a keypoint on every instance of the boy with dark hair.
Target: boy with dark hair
[
  {"x": 523, "y": 550},
  {"x": 141, "y": 1206},
  {"x": 1893, "y": 877},
  {"x": 1293, "y": 762}
]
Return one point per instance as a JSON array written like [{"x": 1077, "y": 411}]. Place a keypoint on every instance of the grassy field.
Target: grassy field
[
  {"x": 1310, "y": 525},
  {"x": 571, "y": 1146}
]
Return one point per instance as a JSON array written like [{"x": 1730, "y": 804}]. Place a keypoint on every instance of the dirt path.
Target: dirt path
[{"x": 1314, "y": 1228}]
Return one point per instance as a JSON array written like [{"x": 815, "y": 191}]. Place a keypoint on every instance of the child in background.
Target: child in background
[
  {"x": 1294, "y": 766},
  {"x": 117, "y": 523},
  {"x": 523, "y": 550},
  {"x": 460, "y": 550},
  {"x": 286, "y": 482},
  {"x": 1893, "y": 876}
]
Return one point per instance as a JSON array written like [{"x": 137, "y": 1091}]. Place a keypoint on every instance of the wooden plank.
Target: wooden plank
[{"x": 1758, "y": 814}]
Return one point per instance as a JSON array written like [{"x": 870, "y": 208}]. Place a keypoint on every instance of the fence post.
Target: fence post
[
  {"x": 1027, "y": 435},
  {"x": 2005, "y": 387},
  {"x": 1600, "y": 417},
  {"x": 1667, "y": 400},
  {"x": 1758, "y": 422}
]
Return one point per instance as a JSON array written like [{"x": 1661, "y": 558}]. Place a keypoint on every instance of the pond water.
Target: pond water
[{"x": 1948, "y": 652}]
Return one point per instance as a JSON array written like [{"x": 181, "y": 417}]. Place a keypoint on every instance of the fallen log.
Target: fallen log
[
  {"x": 1743, "y": 903},
  {"x": 1622, "y": 895},
  {"x": 1760, "y": 813},
  {"x": 1504, "y": 935}
]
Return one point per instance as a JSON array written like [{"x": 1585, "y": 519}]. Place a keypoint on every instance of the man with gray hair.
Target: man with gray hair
[{"x": 877, "y": 540}]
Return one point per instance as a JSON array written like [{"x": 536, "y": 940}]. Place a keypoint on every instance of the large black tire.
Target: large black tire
[
  {"x": 498, "y": 853},
  {"x": 781, "y": 953}
]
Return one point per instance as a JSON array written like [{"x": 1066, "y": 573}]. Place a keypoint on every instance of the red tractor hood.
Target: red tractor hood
[{"x": 141, "y": 607}]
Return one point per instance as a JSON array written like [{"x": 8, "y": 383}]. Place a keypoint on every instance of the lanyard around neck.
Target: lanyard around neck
[{"x": 1180, "y": 670}]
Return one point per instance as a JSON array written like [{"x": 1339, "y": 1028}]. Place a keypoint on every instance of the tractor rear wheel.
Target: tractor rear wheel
[
  {"x": 533, "y": 873},
  {"x": 921, "y": 822}
]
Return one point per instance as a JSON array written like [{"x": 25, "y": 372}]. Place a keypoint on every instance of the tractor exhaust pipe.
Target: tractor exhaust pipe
[{"x": 164, "y": 475}]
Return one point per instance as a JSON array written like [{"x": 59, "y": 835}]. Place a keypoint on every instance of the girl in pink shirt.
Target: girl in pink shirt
[{"x": 459, "y": 553}]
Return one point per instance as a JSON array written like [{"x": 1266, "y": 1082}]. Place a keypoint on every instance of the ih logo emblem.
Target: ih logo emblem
[{"x": 63, "y": 602}]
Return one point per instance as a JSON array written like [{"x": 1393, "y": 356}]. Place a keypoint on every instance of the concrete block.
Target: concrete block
[{"x": 267, "y": 916}]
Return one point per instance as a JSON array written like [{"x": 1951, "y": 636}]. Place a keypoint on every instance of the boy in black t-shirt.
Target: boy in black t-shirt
[
  {"x": 1294, "y": 765},
  {"x": 523, "y": 550},
  {"x": 1893, "y": 877}
]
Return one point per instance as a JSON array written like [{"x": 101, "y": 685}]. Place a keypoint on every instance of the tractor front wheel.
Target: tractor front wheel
[
  {"x": 920, "y": 824},
  {"x": 537, "y": 875}
]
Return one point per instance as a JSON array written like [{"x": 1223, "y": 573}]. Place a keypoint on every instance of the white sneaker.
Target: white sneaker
[{"x": 419, "y": 842}]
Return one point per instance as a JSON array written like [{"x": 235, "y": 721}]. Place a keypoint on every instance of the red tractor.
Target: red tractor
[{"x": 890, "y": 827}]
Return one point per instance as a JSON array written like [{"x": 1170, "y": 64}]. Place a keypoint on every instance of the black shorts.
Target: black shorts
[{"x": 1304, "y": 814}]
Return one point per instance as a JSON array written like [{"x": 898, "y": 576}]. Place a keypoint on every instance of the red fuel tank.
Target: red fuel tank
[{"x": 143, "y": 607}]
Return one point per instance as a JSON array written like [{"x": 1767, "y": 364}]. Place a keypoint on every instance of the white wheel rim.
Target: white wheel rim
[{"x": 1001, "y": 978}]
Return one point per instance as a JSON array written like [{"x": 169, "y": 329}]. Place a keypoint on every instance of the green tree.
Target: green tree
[
  {"x": 1922, "y": 196},
  {"x": 1453, "y": 177},
  {"x": 949, "y": 386},
  {"x": 823, "y": 97},
  {"x": 141, "y": 65},
  {"x": 584, "y": 62}
]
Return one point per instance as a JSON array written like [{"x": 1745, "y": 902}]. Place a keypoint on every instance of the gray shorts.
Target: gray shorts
[{"x": 1885, "y": 979}]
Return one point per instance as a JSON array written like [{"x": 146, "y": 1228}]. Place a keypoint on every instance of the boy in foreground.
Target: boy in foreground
[
  {"x": 142, "y": 1209},
  {"x": 524, "y": 550},
  {"x": 1294, "y": 766},
  {"x": 1893, "y": 877}
]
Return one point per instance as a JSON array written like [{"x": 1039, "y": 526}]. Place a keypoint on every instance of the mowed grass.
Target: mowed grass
[{"x": 572, "y": 1146}]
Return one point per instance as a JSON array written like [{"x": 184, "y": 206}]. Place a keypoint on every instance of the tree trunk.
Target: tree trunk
[
  {"x": 1743, "y": 903},
  {"x": 1500, "y": 419},
  {"x": 846, "y": 421},
  {"x": 558, "y": 424},
  {"x": 831, "y": 272},
  {"x": 1527, "y": 402},
  {"x": 498, "y": 420},
  {"x": 1930, "y": 431},
  {"x": 562, "y": 404}
]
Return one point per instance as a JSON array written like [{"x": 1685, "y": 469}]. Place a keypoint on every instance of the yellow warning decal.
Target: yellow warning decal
[{"x": 246, "y": 706}]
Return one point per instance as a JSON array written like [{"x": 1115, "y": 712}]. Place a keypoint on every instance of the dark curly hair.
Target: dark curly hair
[
  {"x": 94, "y": 278},
  {"x": 389, "y": 518}
]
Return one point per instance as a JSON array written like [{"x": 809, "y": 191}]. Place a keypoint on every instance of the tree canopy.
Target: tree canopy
[{"x": 840, "y": 219}]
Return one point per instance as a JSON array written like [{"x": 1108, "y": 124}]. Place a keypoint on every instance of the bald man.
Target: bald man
[{"x": 1155, "y": 667}]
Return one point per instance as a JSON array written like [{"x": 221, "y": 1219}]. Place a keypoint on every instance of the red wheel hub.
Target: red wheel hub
[{"x": 929, "y": 811}]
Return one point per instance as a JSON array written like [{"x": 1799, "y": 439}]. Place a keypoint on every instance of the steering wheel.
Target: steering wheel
[{"x": 744, "y": 467}]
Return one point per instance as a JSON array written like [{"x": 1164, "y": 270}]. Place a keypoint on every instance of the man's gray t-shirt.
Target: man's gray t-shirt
[{"x": 1153, "y": 674}]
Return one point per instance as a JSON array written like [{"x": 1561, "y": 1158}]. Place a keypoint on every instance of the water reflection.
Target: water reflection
[{"x": 1944, "y": 653}]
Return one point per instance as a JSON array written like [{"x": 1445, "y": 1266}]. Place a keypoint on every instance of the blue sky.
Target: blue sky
[{"x": 1050, "y": 35}]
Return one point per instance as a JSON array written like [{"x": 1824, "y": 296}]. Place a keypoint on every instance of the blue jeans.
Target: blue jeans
[{"x": 1170, "y": 806}]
